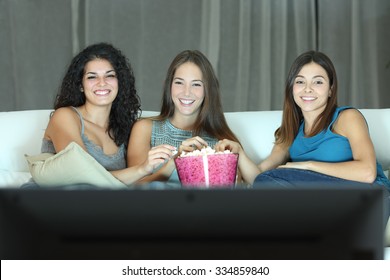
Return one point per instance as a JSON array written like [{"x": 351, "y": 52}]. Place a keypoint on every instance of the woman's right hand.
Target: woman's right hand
[
  {"x": 156, "y": 156},
  {"x": 192, "y": 144},
  {"x": 230, "y": 145}
]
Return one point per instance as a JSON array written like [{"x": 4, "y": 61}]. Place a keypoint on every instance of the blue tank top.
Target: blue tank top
[
  {"x": 115, "y": 161},
  {"x": 327, "y": 146},
  {"x": 164, "y": 132}
]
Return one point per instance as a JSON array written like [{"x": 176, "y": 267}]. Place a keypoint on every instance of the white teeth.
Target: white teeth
[
  {"x": 101, "y": 92},
  {"x": 187, "y": 102},
  {"x": 308, "y": 98}
]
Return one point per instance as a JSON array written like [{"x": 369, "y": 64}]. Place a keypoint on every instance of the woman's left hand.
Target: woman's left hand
[{"x": 192, "y": 144}]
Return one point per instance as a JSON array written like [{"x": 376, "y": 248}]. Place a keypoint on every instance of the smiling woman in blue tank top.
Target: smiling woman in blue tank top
[{"x": 317, "y": 140}]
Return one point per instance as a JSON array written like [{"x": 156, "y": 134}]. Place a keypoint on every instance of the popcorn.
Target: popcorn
[
  {"x": 203, "y": 151},
  {"x": 207, "y": 168}
]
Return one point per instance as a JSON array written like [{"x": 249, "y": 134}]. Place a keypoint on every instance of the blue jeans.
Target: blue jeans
[{"x": 291, "y": 177}]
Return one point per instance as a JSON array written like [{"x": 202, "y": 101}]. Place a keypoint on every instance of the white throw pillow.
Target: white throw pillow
[{"x": 70, "y": 166}]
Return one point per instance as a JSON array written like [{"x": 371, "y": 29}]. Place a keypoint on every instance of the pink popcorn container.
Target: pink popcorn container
[{"x": 207, "y": 171}]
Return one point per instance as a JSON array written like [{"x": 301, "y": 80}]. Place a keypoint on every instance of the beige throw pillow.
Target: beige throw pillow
[{"x": 72, "y": 165}]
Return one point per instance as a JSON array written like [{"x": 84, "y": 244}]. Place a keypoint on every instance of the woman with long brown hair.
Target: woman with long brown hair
[
  {"x": 191, "y": 115},
  {"x": 317, "y": 140}
]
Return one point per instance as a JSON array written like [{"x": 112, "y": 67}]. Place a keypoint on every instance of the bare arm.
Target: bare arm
[
  {"x": 350, "y": 124},
  {"x": 279, "y": 156},
  {"x": 154, "y": 158},
  {"x": 138, "y": 151},
  {"x": 248, "y": 169},
  {"x": 64, "y": 127}
]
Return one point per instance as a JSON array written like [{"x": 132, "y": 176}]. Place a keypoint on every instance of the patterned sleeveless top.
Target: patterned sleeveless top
[
  {"x": 115, "y": 161},
  {"x": 164, "y": 132}
]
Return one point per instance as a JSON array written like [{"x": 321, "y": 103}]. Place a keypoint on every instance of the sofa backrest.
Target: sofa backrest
[
  {"x": 255, "y": 130},
  {"x": 379, "y": 126},
  {"x": 22, "y": 133}
]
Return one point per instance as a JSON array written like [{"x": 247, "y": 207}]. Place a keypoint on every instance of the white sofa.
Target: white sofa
[{"x": 22, "y": 132}]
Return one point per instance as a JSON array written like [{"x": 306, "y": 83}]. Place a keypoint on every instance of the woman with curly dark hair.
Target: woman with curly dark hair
[{"x": 96, "y": 108}]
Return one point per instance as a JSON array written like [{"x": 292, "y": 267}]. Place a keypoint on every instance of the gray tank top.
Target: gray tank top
[
  {"x": 163, "y": 132},
  {"x": 115, "y": 161}
]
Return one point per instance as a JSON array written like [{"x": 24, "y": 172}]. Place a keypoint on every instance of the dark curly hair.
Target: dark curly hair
[{"x": 125, "y": 109}]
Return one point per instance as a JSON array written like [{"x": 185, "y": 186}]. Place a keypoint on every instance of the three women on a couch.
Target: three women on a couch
[{"x": 98, "y": 106}]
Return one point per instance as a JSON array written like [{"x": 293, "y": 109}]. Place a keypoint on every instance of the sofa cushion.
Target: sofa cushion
[
  {"x": 13, "y": 179},
  {"x": 70, "y": 166}
]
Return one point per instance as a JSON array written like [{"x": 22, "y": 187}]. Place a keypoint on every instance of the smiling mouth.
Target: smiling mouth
[
  {"x": 186, "y": 101},
  {"x": 102, "y": 92},
  {"x": 308, "y": 98}
]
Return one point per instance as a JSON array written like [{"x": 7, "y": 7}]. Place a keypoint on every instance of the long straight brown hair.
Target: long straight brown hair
[
  {"x": 292, "y": 114},
  {"x": 211, "y": 119}
]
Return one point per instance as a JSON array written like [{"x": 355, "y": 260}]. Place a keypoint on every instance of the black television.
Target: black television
[{"x": 269, "y": 223}]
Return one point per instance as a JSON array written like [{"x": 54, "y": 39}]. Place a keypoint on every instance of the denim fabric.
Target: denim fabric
[
  {"x": 291, "y": 178},
  {"x": 31, "y": 184}
]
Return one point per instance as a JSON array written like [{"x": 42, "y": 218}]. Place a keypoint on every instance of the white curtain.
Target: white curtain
[{"x": 251, "y": 44}]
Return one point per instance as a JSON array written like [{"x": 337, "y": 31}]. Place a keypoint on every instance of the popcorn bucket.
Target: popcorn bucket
[{"x": 207, "y": 171}]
